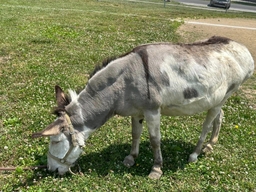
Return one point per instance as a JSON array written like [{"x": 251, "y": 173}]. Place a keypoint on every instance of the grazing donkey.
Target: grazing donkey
[{"x": 152, "y": 79}]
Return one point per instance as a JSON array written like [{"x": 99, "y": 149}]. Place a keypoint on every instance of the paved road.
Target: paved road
[{"x": 234, "y": 6}]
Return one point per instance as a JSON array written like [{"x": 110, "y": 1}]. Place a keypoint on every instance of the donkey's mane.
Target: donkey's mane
[
  {"x": 109, "y": 59},
  {"x": 103, "y": 65}
]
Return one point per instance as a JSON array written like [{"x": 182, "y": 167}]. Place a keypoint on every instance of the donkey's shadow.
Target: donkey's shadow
[{"x": 175, "y": 156}]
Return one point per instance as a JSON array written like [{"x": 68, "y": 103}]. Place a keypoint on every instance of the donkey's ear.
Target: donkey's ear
[
  {"x": 61, "y": 99},
  {"x": 53, "y": 129}
]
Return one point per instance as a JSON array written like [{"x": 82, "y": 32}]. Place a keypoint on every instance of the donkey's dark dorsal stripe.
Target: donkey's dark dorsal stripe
[
  {"x": 211, "y": 41},
  {"x": 217, "y": 40},
  {"x": 149, "y": 81}
]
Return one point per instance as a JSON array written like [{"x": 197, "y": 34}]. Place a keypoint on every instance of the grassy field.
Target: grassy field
[{"x": 44, "y": 43}]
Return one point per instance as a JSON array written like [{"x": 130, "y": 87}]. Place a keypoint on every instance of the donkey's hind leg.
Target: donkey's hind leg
[
  {"x": 215, "y": 132},
  {"x": 136, "y": 132},
  {"x": 207, "y": 125}
]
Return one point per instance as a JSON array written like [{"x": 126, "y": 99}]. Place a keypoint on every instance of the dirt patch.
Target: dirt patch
[{"x": 193, "y": 32}]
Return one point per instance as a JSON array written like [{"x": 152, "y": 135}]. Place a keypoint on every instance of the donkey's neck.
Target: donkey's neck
[
  {"x": 95, "y": 107},
  {"x": 100, "y": 100}
]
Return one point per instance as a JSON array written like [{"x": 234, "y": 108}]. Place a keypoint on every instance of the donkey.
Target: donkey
[{"x": 152, "y": 79}]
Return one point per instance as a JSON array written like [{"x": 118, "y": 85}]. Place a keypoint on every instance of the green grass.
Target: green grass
[{"x": 45, "y": 43}]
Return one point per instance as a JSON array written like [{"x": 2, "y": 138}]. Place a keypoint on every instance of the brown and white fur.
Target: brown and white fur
[{"x": 152, "y": 79}]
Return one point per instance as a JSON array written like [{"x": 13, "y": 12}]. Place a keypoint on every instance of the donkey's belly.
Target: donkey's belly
[
  {"x": 187, "y": 109},
  {"x": 180, "y": 111}
]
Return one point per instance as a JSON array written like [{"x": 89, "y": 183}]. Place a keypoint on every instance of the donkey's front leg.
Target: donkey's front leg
[
  {"x": 136, "y": 132},
  {"x": 153, "y": 122}
]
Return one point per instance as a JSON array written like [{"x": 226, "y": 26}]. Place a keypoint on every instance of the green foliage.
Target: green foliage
[{"x": 44, "y": 43}]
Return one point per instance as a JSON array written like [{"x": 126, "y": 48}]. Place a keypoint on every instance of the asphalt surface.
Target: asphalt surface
[{"x": 234, "y": 5}]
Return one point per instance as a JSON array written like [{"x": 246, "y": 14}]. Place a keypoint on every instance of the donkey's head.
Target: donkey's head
[{"x": 64, "y": 149}]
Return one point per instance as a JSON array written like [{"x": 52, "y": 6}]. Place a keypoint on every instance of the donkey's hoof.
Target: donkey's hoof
[
  {"x": 129, "y": 161},
  {"x": 208, "y": 148},
  {"x": 192, "y": 158},
  {"x": 155, "y": 173}
]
